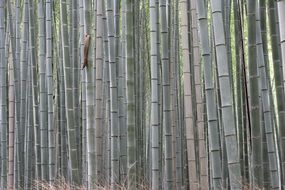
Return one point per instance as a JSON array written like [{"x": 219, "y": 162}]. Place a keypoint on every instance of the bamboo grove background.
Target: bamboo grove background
[{"x": 181, "y": 94}]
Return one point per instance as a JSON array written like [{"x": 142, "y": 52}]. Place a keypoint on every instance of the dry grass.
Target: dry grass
[
  {"x": 248, "y": 187},
  {"x": 62, "y": 184}
]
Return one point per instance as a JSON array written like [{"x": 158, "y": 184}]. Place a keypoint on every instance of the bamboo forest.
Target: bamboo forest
[{"x": 142, "y": 94}]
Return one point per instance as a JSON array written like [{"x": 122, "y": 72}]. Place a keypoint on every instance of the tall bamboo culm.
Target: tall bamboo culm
[{"x": 150, "y": 94}]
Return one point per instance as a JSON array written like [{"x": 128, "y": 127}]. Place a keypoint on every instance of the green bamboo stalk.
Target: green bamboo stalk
[
  {"x": 29, "y": 165},
  {"x": 239, "y": 84},
  {"x": 3, "y": 93},
  {"x": 83, "y": 95},
  {"x": 155, "y": 180},
  {"x": 11, "y": 125},
  {"x": 113, "y": 95},
  {"x": 13, "y": 46},
  {"x": 227, "y": 22},
  {"x": 43, "y": 93},
  {"x": 56, "y": 97},
  {"x": 122, "y": 96},
  {"x": 17, "y": 89},
  {"x": 90, "y": 107},
  {"x": 281, "y": 17},
  {"x": 203, "y": 170},
  {"x": 177, "y": 108},
  {"x": 166, "y": 95},
  {"x": 212, "y": 120},
  {"x": 261, "y": 12},
  {"x": 69, "y": 95},
  {"x": 256, "y": 132},
  {"x": 99, "y": 89},
  {"x": 277, "y": 67},
  {"x": 159, "y": 95},
  {"x": 266, "y": 107},
  {"x": 193, "y": 178},
  {"x": 225, "y": 171},
  {"x": 23, "y": 98},
  {"x": 76, "y": 80},
  {"x": 17, "y": 74},
  {"x": 226, "y": 97},
  {"x": 62, "y": 116},
  {"x": 106, "y": 79},
  {"x": 144, "y": 73},
  {"x": 107, "y": 101},
  {"x": 131, "y": 119},
  {"x": 35, "y": 102},
  {"x": 171, "y": 10},
  {"x": 49, "y": 82}
]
